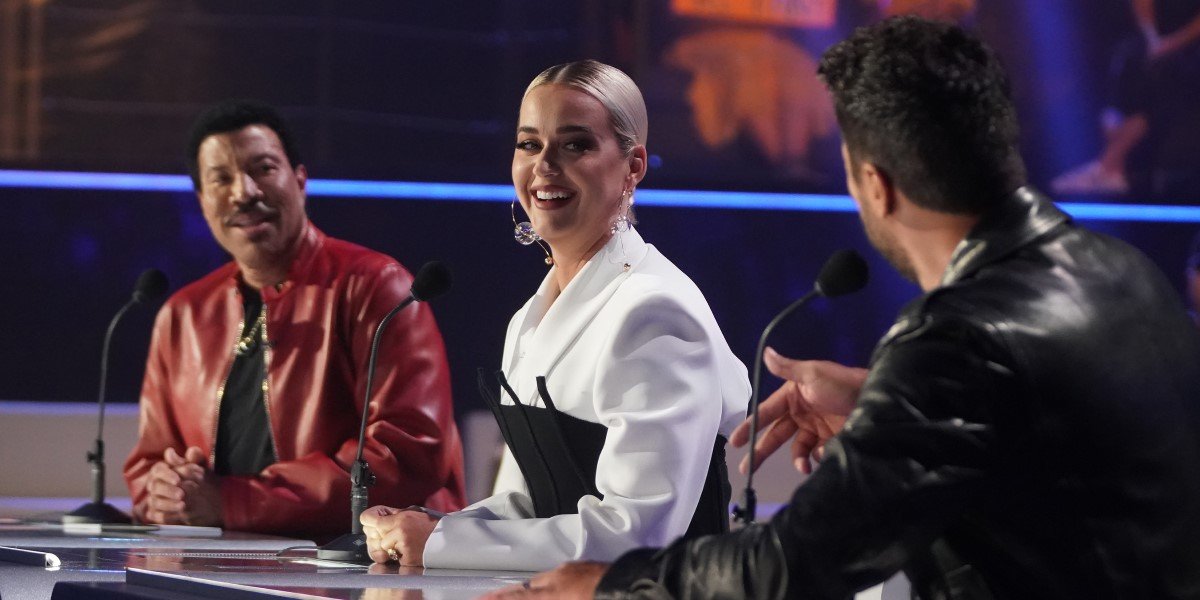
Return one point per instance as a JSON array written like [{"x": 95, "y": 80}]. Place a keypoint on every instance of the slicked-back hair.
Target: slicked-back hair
[
  {"x": 930, "y": 105},
  {"x": 613, "y": 88},
  {"x": 232, "y": 115}
]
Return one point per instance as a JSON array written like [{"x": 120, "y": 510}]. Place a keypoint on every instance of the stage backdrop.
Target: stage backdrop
[
  {"x": 71, "y": 258},
  {"x": 429, "y": 91}
]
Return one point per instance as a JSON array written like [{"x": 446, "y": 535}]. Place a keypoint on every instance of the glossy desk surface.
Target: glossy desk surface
[{"x": 100, "y": 557}]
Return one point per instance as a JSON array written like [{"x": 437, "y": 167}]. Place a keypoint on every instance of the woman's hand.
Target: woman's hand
[{"x": 397, "y": 534}]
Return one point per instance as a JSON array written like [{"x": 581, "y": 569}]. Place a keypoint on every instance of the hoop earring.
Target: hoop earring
[
  {"x": 622, "y": 222},
  {"x": 524, "y": 234}
]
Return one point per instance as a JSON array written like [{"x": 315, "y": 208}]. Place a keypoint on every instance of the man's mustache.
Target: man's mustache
[{"x": 251, "y": 212}]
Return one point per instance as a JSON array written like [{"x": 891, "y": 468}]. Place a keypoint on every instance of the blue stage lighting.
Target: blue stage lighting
[{"x": 479, "y": 192}]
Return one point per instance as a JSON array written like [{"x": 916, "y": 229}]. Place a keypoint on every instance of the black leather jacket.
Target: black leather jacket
[{"x": 1029, "y": 429}]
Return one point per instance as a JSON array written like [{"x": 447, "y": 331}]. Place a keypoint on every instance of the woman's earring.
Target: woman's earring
[
  {"x": 525, "y": 235},
  {"x": 622, "y": 224},
  {"x": 523, "y": 232}
]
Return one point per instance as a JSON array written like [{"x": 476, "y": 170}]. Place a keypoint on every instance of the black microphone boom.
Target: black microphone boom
[
  {"x": 150, "y": 285},
  {"x": 844, "y": 272},
  {"x": 431, "y": 281}
]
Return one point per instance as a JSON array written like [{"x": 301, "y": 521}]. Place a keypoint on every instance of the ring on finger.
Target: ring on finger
[{"x": 393, "y": 555}]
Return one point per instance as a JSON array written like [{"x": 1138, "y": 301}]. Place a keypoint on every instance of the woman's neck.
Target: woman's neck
[{"x": 569, "y": 261}]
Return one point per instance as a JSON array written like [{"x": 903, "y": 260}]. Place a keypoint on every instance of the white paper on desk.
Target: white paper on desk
[
  {"x": 336, "y": 564},
  {"x": 103, "y": 528},
  {"x": 157, "y": 530},
  {"x": 83, "y": 528},
  {"x": 187, "y": 531}
]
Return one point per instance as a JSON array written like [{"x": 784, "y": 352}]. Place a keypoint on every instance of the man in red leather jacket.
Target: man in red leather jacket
[{"x": 254, "y": 385}]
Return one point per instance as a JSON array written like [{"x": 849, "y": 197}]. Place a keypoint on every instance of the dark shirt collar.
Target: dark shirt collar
[{"x": 1024, "y": 216}]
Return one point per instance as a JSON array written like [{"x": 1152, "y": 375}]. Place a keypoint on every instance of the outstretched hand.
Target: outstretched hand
[{"x": 810, "y": 407}]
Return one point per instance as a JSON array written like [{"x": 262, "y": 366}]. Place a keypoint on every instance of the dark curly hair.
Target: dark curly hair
[
  {"x": 232, "y": 115},
  {"x": 929, "y": 105}
]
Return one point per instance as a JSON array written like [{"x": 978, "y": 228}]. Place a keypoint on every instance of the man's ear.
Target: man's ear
[
  {"x": 877, "y": 189},
  {"x": 301, "y": 176}
]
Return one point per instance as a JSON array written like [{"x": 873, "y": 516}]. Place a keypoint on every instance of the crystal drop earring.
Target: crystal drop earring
[
  {"x": 525, "y": 235},
  {"x": 523, "y": 232},
  {"x": 622, "y": 224}
]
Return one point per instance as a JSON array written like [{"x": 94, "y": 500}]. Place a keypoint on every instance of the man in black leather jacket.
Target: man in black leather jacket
[{"x": 1028, "y": 428}]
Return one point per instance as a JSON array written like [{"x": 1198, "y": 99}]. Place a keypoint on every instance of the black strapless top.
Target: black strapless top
[{"x": 557, "y": 455}]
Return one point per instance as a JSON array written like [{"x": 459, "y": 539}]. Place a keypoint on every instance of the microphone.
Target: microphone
[
  {"x": 844, "y": 272},
  {"x": 151, "y": 284},
  {"x": 432, "y": 280}
]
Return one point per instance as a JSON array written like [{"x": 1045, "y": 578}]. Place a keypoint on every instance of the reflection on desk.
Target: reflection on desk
[
  {"x": 82, "y": 551},
  {"x": 142, "y": 585},
  {"x": 228, "y": 575},
  {"x": 94, "y": 565},
  {"x": 44, "y": 533}
]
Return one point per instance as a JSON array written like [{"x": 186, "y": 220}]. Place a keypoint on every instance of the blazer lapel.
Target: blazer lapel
[{"x": 574, "y": 309}]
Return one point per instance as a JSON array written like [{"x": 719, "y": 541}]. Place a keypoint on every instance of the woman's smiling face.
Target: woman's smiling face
[{"x": 568, "y": 169}]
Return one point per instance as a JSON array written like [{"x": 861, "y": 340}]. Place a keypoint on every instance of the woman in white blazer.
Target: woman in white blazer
[{"x": 617, "y": 386}]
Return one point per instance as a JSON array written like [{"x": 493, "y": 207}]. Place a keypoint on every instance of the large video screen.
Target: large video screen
[{"x": 429, "y": 91}]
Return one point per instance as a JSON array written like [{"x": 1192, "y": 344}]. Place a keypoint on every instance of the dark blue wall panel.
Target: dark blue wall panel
[{"x": 70, "y": 259}]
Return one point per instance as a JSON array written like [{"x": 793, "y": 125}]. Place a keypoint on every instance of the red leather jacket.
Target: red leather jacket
[{"x": 319, "y": 327}]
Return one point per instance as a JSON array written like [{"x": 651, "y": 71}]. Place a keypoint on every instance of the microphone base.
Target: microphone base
[
  {"x": 744, "y": 512},
  {"x": 351, "y": 547},
  {"x": 101, "y": 513}
]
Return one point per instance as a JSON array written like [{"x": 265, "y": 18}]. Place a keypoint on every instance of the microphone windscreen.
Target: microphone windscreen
[
  {"x": 845, "y": 272},
  {"x": 151, "y": 284},
  {"x": 432, "y": 280}
]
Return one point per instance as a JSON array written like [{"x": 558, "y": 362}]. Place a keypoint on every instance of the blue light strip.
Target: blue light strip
[
  {"x": 409, "y": 190},
  {"x": 747, "y": 200},
  {"x": 66, "y": 180},
  {"x": 1158, "y": 213},
  {"x": 478, "y": 192}
]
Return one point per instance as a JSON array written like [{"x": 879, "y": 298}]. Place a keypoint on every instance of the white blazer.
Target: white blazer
[{"x": 636, "y": 349}]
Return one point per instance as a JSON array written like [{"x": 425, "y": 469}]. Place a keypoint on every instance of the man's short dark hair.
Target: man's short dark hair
[
  {"x": 232, "y": 115},
  {"x": 930, "y": 106}
]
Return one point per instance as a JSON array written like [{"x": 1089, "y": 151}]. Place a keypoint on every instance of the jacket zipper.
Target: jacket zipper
[
  {"x": 266, "y": 386},
  {"x": 237, "y": 335}
]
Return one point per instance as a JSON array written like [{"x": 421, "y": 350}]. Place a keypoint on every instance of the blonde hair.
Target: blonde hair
[{"x": 613, "y": 88}]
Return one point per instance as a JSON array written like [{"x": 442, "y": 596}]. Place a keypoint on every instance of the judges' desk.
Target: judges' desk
[
  {"x": 50, "y": 561},
  {"x": 257, "y": 574}
]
